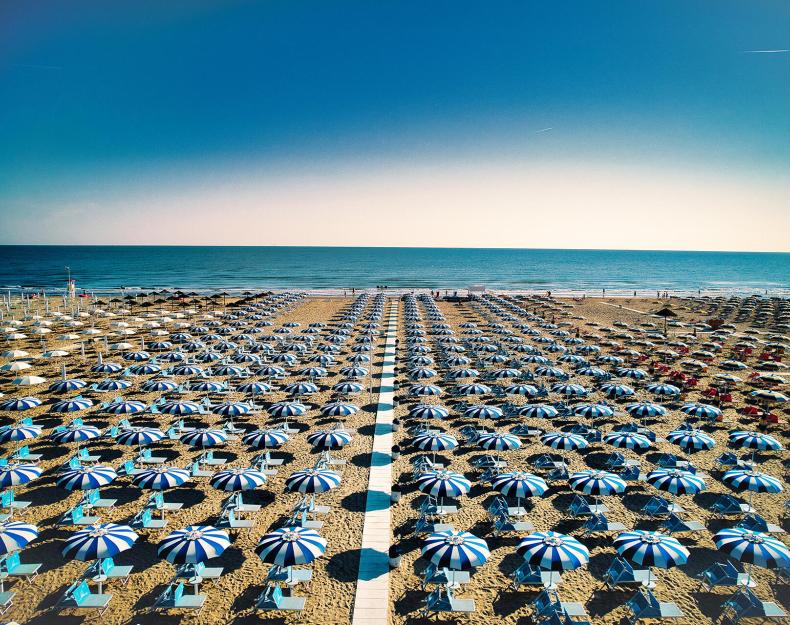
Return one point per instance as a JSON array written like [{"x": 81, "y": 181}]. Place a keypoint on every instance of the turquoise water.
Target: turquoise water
[{"x": 238, "y": 268}]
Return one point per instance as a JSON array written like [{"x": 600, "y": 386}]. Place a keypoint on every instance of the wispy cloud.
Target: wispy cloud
[
  {"x": 766, "y": 51},
  {"x": 544, "y": 130}
]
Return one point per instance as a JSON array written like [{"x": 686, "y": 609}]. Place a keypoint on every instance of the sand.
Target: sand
[{"x": 331, "y": 592}]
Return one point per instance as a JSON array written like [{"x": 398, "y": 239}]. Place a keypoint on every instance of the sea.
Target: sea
[{"x": 110, "y": 269}]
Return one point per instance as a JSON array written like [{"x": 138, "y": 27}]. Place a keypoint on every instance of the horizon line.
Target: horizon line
[{"x": 399, "y": 247}]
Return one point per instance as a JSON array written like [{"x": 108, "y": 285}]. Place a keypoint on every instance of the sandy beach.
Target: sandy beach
[{"x": 331, "y": 592}]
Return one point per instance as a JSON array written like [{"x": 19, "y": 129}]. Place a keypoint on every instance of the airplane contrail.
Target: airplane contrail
[
  {"x": 765, "y": 51},
  {"x": 544, "y": 130}
]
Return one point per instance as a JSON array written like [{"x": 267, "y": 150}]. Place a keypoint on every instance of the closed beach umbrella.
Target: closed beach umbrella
[
  {"x": 312, "y": 481},
  {"x": 193, "y": 544},
  {"x": 15, "y": 535},
  {"x": 17, "y": 474},
  {"x": 289, "y": 546},
  {"x": 86, "y": 478},
  {"x": 456, "y": 550},
  {"x": 160, "y": 478}
]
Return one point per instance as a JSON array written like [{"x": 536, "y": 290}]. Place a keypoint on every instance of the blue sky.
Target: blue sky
[{"x": 186, "y": 111}]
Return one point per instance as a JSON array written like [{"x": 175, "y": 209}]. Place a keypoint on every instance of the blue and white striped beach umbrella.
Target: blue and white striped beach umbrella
[
  {"x": 631, "y": 372},
  {"x": 519, "y": 484},
  {"x": 287, "y": 409},
  {"x": 86, "y": 478},
  {"x": 312, "y": 481},
  {"x": 103, "y": 540},
  {"x": 301, "y": 388},
  {"x": 266, "y": 439},
  {"x": 75, "y": 433},
  {"x": 455, "y": 549},
  {"x": 593, "y": 411},
  {"x": 755, "y": 440},
  {"x": 645, "y": 409},
  {"x": 676, "y": 481},
  {"x": 66, "y": 386},
  {"x": 538, "y": 411},
  {"x": 289, "y": 546},
  {"x": 651, "y": 549},
  {"x": 524, "y": 390},
  {"x": 204, "y": 437},
  {"x": 746, "y": 479},
  {"x": 233, "y": 480},
  {"x": 270, "y": 371},
  {"x": 552, "y": 551},
  {"x": 483, "y": 411},
  {"x": 180, "y": 408},
  {"x": 160, "y": 478},
  {"x": 663, "y": 390},
  {"x": 329, "y": 439},
  {"x": 353, "y": 372},
  {"x": 702, "y": 411},
  {"x": 254, "y": 388},
  {"x": 207, "y": 386},
  {"x": 594, "y": 372},
  {"x": 435, "y": 441},
  {"x": 421, "y": 373},
  {"x": 15, "y": 535},
  {"x": 564, "y": 440},
  {"x": 106, "y": 367},
  {"x": 597, "y": 483},
  {"x": 71, "y": 405},
  {"x": 140, "y": 437},
  {"x": 339, "y": 409},
  {"x": 231, "y": 409},
  {"x": 627, "y": 440},
  {"x": 147, "y": 368},
  {"x": 429, "y": 411},
  {"x": 569, "y": 390},
  {"x": 193, "y": 544},
  {"x": 752, "y": 547},
  {"x": 18, "y": 474},
  {"x": 20, "y": 404},
  {"x": 347, "y": 387},
  {"x": 126, "y": 406},
  {"x": 472, "y": 389},
  {"x": 462, "y": 374},
  {"x": 499, "y": 441},
  {"x": 424, "y": 390},
  {"x": 106, "y": 386},
  {"x": 616, "y": 390},
  {"x": 18, "y": 432},
  {"x": 443, "y": 483},
  {"x": 187, "y": 370},
  {"x": 691, "y": 440},
  {"x": 159, "y": 386}
]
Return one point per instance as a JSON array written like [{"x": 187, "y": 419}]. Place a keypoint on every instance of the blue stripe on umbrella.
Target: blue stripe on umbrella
[
  {"x": 552, "y": 551},
  {"x": 289, "y": 546},
  {"x": 99, "y": 541},
  {"x": 455, "y": 549},
  {"x": 193, "y": 544}
]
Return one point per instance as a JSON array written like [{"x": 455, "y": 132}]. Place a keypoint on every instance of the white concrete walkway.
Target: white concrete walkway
[{"x": 371, "y": 602}]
